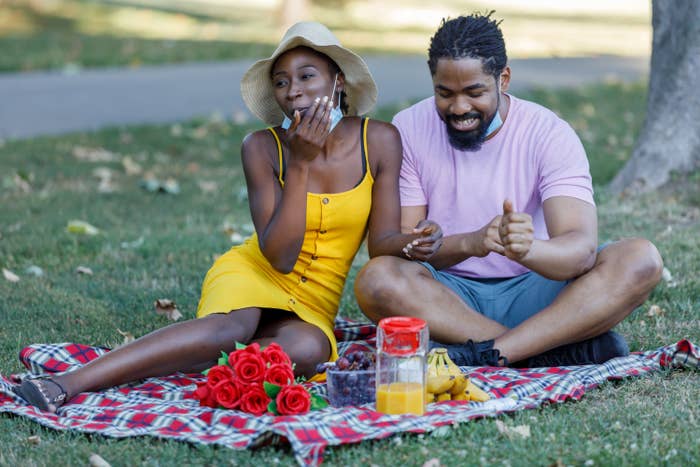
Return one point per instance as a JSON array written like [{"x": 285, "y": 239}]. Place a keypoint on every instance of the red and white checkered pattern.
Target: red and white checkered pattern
[{"x": 164, "y": 407}]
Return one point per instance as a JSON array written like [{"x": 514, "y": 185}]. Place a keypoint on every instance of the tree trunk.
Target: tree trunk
[
  {"x": 670, "y": 137},
  {"x": 291, "y": 12}
]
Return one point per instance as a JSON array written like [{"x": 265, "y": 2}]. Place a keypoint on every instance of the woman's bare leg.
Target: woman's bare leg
[
  {"x": 305, "y": 343},
  {"x": 177, "y": 347}
]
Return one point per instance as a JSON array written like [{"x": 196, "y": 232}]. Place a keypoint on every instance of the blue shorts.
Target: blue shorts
[{"x": 508, "y": 301}]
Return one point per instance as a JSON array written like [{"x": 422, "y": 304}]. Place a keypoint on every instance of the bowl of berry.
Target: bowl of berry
[{"x": 350, "y": 379}]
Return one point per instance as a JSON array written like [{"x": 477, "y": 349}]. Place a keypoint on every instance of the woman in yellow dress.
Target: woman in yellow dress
[{"x": 317, "y": 184}]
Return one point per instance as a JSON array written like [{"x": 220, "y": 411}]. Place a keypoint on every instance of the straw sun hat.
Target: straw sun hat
[{"x": 256, "y": 85}]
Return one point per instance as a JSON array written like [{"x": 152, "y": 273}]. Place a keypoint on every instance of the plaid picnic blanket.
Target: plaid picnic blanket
[{"x": 164, "y": 407}]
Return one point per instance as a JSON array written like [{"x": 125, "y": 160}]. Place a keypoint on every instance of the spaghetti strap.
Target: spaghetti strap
[
  {"x": 363, "y": 141},
  {"x": 281, "y": 165}
]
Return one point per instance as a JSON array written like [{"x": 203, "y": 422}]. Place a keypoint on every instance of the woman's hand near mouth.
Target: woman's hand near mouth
[{"x": 308, "y": 132}]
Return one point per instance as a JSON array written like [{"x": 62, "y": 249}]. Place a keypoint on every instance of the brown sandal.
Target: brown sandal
[{"x": 34, "y": 391}]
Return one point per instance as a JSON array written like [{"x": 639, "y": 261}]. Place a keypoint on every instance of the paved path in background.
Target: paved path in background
[{"x": 49, "y": 103}]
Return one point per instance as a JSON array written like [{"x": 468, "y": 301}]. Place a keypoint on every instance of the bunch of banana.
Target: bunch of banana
[{"x": 447, "y": 382}]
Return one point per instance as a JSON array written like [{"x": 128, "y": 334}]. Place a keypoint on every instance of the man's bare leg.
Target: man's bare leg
[
  {"x": 390, "y": 286},
  {"x": 621, "y": 279}
]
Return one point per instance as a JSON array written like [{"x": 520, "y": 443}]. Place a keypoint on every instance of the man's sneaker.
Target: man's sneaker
[
  {"x": 472, "y": 353},
  {"x": 592, "y": 351}
]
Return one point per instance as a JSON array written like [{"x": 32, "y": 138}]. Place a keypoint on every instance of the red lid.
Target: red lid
[{"x": 401, "y": 334}]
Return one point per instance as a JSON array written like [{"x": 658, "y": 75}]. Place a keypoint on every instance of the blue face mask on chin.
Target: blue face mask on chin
[
  {"x": 495, "y": 124},
  {"x": 336, "y": 113}
]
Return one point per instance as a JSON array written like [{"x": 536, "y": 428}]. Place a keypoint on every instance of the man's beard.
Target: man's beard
[
  {"x": 468, "y": 140},
  {"x": 473, "y": 139}
]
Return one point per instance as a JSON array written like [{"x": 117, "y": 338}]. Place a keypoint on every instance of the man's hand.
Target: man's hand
[
  {"x": 488, "y": 239},
  {"x": 516, "y": 232},
  {"x": 308, "y": 134},
  {"x": 427, "y": 244}
]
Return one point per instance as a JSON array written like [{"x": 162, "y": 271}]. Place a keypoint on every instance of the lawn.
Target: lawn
[
  {"x": 72, "y": 34},
  {"x": 155, "y": 245}
]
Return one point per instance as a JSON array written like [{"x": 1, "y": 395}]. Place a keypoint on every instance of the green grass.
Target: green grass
[{"x": 155, "y": 245}]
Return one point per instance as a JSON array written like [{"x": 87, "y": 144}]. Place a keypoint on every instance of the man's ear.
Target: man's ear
[{"x": 505, "y": 79}]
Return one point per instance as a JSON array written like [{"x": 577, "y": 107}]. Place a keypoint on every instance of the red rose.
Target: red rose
[
  {"x": 254, "y": 400},
  {"x": 205, "y": 395},
  {"x": 280, "y": 374},
  {"x": 219, "y": 373},
  {"x": 253, "y": 348},
  {"x": 227, "y": 394},
  {"x": 249, "y": 368},
  {"x": 293, "y": 399},
  {"x": 273, "y": 353}
]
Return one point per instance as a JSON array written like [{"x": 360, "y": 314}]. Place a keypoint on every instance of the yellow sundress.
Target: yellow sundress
[{"x": 335, "y": 227}]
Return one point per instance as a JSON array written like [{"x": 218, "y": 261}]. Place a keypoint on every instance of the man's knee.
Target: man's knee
[
  {"x": 641, "y": 264},
  {"x": 379, "y": 281}
]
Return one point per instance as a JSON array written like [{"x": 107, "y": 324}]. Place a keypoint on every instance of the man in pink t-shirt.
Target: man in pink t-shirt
[{"x": 517, "y": 276}]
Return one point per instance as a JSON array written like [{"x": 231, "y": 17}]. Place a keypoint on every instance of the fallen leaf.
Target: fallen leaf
[
  {"x": 150, "y": 184},
  {"x": 133, "y": 244},
  {"x": 84, "y": 270},
  {"x": 34, "y": 270},
  {"x": 9, "y": 275},
  {"x": 81, "y": 228},
  {"x": 170, "y": 186},
  {"x": 208, "y": 186},
  {"x": 666, "y": 275},
  {"x": 97, "y": 461},
  {"x": 23, "y": 183},
  {"x": 520, "y": 430},
  {"x": 131, "y": 167},
  {"x": 655, "y": 311},
  {"x": 34, "y": 439},
  {"x": 434, "y": 462},
  {"x": 128, "y": 337},
  {"x": 167, "y": 308}
]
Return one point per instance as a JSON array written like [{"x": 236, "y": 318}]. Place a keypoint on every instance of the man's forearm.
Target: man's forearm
[
  {"x": 455, "y": 249},
  {"x": 561, "y": 258}
]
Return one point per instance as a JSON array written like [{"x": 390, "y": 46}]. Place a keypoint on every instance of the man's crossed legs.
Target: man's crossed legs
[{"x": 521, "y": 317}]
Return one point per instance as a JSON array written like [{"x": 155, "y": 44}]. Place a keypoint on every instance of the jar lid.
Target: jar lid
[{"x": 402, "y": 334}]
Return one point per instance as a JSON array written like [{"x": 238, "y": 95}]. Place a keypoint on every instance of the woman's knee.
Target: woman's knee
[
  {"x": 232, "y": 327},
  {"x": 308, "y": 352}
]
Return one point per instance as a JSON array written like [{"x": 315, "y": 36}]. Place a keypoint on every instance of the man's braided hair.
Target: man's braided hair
[{"x": 474, "y": 36}]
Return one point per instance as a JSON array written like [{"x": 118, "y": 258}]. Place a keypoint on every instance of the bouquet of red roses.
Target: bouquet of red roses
[{"x": 256, "y": 380}]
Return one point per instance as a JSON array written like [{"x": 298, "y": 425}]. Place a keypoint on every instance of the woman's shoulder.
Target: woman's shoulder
[
  {"x": 381, "y": 132},
  {"x": 257, "y": 141}
]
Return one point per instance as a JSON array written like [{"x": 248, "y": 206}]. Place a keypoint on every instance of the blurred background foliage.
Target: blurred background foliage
[{"x": 50, "y": 34}]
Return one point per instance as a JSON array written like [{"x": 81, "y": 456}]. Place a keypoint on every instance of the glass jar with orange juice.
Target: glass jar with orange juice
[{"x": 402, "y": 346}]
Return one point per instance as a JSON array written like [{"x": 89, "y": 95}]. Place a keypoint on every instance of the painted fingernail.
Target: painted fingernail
[
  {"x": 325, "y": 99},
  {"x": 317, "y": 100}
]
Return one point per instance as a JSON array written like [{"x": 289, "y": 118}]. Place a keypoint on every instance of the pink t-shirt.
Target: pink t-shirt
[{"x": 535, "y": 156}]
